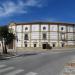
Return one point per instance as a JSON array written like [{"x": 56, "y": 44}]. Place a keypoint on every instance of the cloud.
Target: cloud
[
  {"x": 31, "y": 3},
  {"x": 10, "y": 8}
]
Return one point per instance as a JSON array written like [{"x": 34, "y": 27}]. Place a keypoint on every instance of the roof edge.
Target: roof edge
[{"x": 19, "y": 23}]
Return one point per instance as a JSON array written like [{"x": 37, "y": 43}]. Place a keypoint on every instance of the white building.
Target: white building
[{"x": 43, "y": 34}]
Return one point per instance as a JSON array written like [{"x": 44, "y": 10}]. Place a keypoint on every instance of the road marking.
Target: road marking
[
  {"x": 31, "y": 73},
  {"x": 6, "y": 69},
  {"x": 1, "y": 66},
  {"x": 15, "y": 72}
]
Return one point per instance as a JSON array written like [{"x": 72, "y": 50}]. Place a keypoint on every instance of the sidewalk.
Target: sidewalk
[
  {"x": 34, "y": 52},
  {"x": 16, "y": 53},
  {"x": 6, "y": 56}
]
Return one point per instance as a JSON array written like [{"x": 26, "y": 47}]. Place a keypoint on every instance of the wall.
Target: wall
[{"x": 53, "y": 33}]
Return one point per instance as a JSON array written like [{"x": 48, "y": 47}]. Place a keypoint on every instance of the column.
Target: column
[
  {"x": 49, "y": 33},
  {"x": 58, "y": 35},
  {"x": 74, "y": 34},
  {"x": 22, "y": 38},
  {"x": 67, "y": 34},
  {"x": 39, "y": 35},
  {"x": 30, "y": 33}
]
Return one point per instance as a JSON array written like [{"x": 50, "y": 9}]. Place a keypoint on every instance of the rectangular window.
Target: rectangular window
[
  {"x": 44, "y": 36},
  {"x": 62, "y": 28},
  {"x": 34, "y": 45},
  {"x": 53, "y": 44},
  {"x": 26, "y": 37},
  {"x": 25, "y": 45}
]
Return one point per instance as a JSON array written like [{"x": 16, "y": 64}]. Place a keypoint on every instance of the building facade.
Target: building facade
[{"x": 42, "y": 35}]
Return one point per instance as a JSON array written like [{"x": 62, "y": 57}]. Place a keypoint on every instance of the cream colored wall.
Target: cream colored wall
[
  {"x": 34, "y": 34},
  {"x": 70, "y": 43},
  {"x": 35, "y": 27},
  {"x": 70, "y": 36},
  {"x": 70, "y": 28},
  {"x": 53, "y": 27},
  {"x": 19, "y": 28},
  {"x": 53, "y": 35}
]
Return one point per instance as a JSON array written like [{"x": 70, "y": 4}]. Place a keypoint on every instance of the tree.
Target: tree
[{"x": 6, "y": 37}]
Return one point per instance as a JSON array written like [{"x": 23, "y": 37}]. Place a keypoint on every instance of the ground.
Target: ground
[{"x": 37, "y": 63}]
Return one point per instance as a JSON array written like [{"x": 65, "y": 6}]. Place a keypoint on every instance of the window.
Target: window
[
  {"x": 44, "y": 36},
  {"x": 34, "y": 45},
  {"x": 26, "y": 37},
  {"x": 26, "y": 28},
  {"x": 53, "y": 28},
  {"x": 44, "y": 28},
  {"x": 53, "y": 44},
  {"x": 25, "y": 45},
  {"x": 62, "y": 28}
]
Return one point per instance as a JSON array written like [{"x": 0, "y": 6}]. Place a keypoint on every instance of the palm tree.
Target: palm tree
[{"x": 6, "y": 37}]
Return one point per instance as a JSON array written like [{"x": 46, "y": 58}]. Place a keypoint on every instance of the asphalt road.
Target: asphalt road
[{"x": 44, "y": 63}]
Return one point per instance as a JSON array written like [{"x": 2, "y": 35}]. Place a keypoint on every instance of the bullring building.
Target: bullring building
[{"x": 42, "y": 35}]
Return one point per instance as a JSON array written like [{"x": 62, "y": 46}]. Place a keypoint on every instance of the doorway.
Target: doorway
[
  {"x": 44, "y": 46},
  {"x": 53, "y": 44},
  {"x": 63, "y": 44},
  {"x": 34, "y": 45}
]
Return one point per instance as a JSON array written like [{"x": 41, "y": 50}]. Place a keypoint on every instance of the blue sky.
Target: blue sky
[{"x": 37, "y": 10}]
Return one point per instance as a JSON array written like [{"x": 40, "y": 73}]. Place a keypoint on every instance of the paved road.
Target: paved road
[{"x": 44, "y": 63}]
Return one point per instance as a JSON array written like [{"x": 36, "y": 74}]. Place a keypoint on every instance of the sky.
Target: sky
[{"x": 37, "y": 10}]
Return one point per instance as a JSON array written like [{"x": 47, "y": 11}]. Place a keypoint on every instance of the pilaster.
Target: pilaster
[
  {"x": 58, "y": 36},
  {"x": 39, "y": 35}
]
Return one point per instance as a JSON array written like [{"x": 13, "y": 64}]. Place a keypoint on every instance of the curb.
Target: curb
[{"x": 25, "y": 54}]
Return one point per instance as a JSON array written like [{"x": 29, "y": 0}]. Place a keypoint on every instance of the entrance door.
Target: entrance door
[{"x": 44, "y": 46}]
